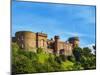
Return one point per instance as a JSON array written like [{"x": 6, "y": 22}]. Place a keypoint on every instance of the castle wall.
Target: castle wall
[
  {"x": 64, "y": 48},
  {"x": 68, "y": 50},
  {"x": 56, "y": 45}
]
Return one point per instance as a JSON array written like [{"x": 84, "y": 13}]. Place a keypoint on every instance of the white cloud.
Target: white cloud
[{"x": 90, "y": 46}]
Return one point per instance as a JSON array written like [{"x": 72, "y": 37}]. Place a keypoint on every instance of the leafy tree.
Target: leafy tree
[
  {"x": 94, "y": 47},
  {"x": 77, "y": 66},
  {"x": 73, "y": 38},
  {"x": 86, "y": 51},
  {"x": 77, "y": 51},
  {"x": 88, "y": 60}
]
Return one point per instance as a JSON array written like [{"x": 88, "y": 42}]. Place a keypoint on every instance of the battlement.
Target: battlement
[{"x": 41, "y": 34}]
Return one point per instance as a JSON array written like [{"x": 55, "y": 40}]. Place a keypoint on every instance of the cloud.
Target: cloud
[{"x": 90, "y": 46}]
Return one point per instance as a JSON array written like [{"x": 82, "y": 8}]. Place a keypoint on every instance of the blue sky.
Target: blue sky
[{"x": 64, "y": 20}]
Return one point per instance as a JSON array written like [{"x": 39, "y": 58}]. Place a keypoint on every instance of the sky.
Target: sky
[{"x": 65, "y": 20}]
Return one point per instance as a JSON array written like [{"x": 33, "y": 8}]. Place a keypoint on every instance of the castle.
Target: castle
[{"x": 28, "y": 40}]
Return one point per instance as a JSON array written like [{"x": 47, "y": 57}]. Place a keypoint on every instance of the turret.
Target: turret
[
  {"x": 26, "y": 40},
  {"x": 56, "y": 38},
  {"x": 74, "y": 41},
  {"x": 41, "y": 40}
]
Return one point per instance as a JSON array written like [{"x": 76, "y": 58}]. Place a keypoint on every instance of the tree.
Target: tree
[
  {"x": 94, "y": 47},
  {"x": 88, "y": 60},
  {"x": 86, "y": 51},
  {"x": 77, "y": 66},
  {"x": 77, "y": 51}
]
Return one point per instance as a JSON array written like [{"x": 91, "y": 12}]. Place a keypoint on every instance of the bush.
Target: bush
[
  {"x": 71, "y": 58},
  {"x": 39, "y": 50}
]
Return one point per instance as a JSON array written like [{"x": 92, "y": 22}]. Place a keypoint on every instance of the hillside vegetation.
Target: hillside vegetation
[{"x": 30, "y": 62}]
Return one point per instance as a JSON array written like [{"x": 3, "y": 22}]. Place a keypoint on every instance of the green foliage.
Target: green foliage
[
  {"x": 77, "y": 66},
  {"x": 71, "y": 58},
  {"x": 39, "y": 50},
  {"x": 42, "y": 58},
  {"x": 85, "y": 58},
  {"x": 88, "y": 60},
  {"x": 67, "y": 65},
  {"x": 86, "y": 51},
  {"x": 30, "y": 62},
  {"x": 15, "y": 49},
  {"x": 23, "y": 65},
  {"x": 77, "y": 51},
  {"x": 63, "y": 57}
]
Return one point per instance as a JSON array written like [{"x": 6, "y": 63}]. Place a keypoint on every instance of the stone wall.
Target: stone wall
[
  {"x": 41, "y": 40},
  {"x": 64, "y": 48}
]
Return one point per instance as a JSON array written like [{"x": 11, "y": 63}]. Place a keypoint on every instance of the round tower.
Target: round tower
[
  {"x": 74, "y": 41},
  {"x": 26, "y": 40}
]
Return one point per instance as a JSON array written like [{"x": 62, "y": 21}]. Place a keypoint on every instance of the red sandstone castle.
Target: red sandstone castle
[{"x": 30, "y": 41}]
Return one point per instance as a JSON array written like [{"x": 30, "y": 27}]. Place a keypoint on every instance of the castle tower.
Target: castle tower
[
  {"x": 41, "y": 40},
  {"x": 26, "y": 40},
  {"x": 74, "y": 41},
  {"x": 56, "y": 45}
]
